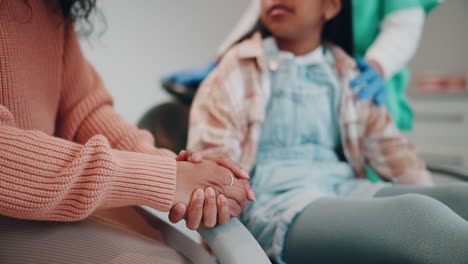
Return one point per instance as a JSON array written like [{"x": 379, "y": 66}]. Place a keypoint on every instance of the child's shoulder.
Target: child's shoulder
[
  {"x": 250, "y": 49},
  {"x": 238, "y": 72},
  {"x": 241, "y": 62},
  {"x": 343, "y": 61}
]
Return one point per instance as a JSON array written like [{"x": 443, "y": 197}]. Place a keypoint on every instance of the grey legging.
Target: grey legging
[{"x": 403, "y": 224}]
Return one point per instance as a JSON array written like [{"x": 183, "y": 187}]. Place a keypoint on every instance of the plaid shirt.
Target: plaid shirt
[{"x": 229, "y": 108}]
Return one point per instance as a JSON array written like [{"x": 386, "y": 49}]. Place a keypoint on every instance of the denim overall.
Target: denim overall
[{"x": 297, "y": 161}]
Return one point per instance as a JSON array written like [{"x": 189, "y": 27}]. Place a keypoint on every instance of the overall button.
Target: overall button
[{"x": 273, "y": 65}]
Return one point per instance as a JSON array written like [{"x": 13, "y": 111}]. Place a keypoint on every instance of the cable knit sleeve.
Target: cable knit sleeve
[
  {"x": 48, "y": 178},
  {"x": 86, "y": 107}
]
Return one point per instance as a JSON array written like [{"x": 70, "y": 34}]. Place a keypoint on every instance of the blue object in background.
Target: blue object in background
[
  {"x": 192, "y": 76},
  {"x": 370, "y": 83}
]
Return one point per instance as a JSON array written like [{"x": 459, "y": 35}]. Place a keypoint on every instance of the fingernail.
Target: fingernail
[
  {"x": 196, "y": 156},
  {"x": 253, "y": 195},
  {"x": 223, "y": 199},
  {"x": 244, "y": 172},
  {"x": 199, "y": 193},
  {"x": 210, "y": 191}
]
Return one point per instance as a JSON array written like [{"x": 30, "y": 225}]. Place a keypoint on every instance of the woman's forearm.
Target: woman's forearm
[{"x": 47, "y": 178}]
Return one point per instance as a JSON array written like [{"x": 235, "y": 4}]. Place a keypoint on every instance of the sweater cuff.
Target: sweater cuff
[
  {"x": 143, "y": 179},
  {"x": 150, "y": 149}
]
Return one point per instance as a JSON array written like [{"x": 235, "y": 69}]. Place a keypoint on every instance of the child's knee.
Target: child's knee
[{"x": 420, "y": 206}]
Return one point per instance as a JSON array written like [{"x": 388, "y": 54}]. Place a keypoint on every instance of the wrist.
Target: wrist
[
  {"x": 376, "y": 66},
  {"x": 185, "y": 184},
  {"x": 179, "y": 190}
]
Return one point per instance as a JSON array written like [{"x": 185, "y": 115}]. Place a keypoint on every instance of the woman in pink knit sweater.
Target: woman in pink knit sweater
[{"x": 65, "y": 152}]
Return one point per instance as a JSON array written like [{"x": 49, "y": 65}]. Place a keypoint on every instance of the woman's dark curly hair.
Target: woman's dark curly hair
[{"x": 77, "y": 9}]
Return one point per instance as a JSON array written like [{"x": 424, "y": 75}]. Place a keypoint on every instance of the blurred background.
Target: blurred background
[
  {"x": 439, "y": 88},
  {"x": 146, "y": 39}
]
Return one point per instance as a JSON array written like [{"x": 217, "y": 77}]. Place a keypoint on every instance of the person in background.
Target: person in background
[
  {"x": 387, "y": 35},
  {"x": 65, "y": 153}
]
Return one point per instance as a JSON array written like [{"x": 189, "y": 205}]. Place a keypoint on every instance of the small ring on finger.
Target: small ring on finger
[{"x": 232, "y": 180}]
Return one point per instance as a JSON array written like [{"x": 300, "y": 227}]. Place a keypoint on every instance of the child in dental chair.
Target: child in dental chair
[{"x": 279, "y": 103}]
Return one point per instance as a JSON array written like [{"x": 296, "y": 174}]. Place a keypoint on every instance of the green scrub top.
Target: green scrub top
[{"x": 367, "y": 17}]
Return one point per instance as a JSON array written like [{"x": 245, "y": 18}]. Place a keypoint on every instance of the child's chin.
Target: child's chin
[{"x": 283, "y": 32}]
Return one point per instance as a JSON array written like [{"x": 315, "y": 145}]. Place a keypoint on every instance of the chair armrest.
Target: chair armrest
[
  {"x": 175, "y": 238},
  {"x": 455, "y": 172},
  {"x": 232, "y": 243}
]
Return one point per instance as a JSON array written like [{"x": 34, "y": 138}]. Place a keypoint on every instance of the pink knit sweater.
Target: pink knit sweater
[{"x": 64, "y": 152}]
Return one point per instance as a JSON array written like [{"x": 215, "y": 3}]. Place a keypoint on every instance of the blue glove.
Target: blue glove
[
  {"x": 191, "y": 77},
  {"x": 369, "y": 83}
]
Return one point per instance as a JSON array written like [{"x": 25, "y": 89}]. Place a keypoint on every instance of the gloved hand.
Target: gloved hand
[
  {"x": 191, "y": 77},
  {"x": 370, "y": 83}
]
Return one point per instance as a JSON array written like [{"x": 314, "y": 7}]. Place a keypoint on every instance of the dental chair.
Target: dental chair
[
  {"x": 231, "y": 243},
  {"x": 168, "y": 122}
]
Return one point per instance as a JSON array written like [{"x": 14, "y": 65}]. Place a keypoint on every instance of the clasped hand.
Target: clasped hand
[{"x": 209, "y": 190}]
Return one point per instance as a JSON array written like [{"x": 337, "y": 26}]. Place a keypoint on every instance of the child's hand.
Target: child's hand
[{"x": 370, "y": 83}]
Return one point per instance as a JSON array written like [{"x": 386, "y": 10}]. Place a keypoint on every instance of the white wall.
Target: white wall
[
  {"x": 441, "y": 123},
  {"x": 444, "y": 45},
  {"x": 147, "y": 38}
]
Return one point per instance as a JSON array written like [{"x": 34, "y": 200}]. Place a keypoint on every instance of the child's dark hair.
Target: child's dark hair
[{"x": 338, "y": 30}]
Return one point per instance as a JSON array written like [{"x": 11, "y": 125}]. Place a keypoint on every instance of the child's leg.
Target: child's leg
[
  {"x": 455, "y": 196},
  {"x": 409, "y": 228}
]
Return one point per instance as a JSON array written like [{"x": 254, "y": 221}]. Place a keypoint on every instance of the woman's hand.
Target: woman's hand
[
  {"x": 205, "y": 207},
  {"x": 202, "y": 205},
  {"x": 197, "y": 157},
  {"x": 214, "y": 179},
  {"x": 192, "y": 176},
  {"x": 369, "y": 84}
]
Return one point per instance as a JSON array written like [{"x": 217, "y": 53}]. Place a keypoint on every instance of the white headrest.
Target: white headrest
[{"x": 245, "y": 24}]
